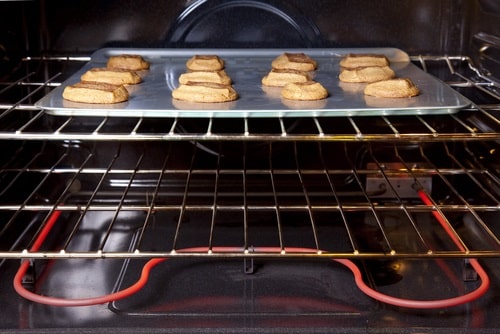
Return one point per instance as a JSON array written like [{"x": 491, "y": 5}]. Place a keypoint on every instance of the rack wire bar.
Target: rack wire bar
[
  {"x": 34, "y": 124},
  {"x": 249, "y": 254}
]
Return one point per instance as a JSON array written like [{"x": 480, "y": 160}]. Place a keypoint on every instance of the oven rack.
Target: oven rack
[
  {"x": 140, "y": 203},
  {"x": 149, "y": 178},
  {"x": 38, "y": 75}
]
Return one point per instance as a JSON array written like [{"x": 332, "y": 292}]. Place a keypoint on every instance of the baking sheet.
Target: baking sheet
[{"x": 152, "y": 98}]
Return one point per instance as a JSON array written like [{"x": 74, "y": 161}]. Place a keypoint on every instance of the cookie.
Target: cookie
[
  {"x": 128, "y": 62},
  {"x": 219, "y": 77},
  {"x": 366, "y": 74},
  {"x": 294, "y": 61},
  {"x": 205, "y": 92},
  {"x": 364, "y": 60},
  {"x": 279, "y": 78},
  {"x": 114, "y": 76},
  {"x": 205, "y": 63},
  {"x": 304, "y": 91},
  {"x": 394, "y": 88},
  {"x": 95, "y": 92}
]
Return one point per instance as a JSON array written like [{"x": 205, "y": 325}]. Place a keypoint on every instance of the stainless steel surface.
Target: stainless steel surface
[{"x": 152, "y": 98}]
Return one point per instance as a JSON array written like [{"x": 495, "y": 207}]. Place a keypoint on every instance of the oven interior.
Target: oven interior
[{"x": 245, "y": 224}]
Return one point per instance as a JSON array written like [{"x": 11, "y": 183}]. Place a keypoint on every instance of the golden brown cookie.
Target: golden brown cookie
[
  {"x": 205, "y": 92},
  {"x": 219, "y": 77},
  {"x": 364, "y": 60},
  {"x": 128, "y": 62},
  {"x": 402, "y": 87},
  {"x": 294, "y": 61},
  {"x": 114, "y": 76},
  {"x": 279, "y": 78},
  {"x": 304, "y": 91},
  {"x": 95, "y": 92},
  {"x": 366, "y": 74},
  {"x": 205, "y": 63}
]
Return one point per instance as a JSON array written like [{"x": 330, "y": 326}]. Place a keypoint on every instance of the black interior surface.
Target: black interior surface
[{"x": 240, "y": 295}]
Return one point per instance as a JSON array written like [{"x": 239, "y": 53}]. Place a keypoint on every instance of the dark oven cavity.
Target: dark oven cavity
[{"x": 306, "y": 224}]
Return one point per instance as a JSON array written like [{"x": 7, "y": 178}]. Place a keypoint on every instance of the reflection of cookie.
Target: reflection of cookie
[
  {"x": 189, "y": 105},
  {"x": 306, "y": 91},
  {"x": 294, "y": 61},
  {"x": 303, "y": 104},
  {"x": 385, "y": 102},
  {"x": 205, "y": 92},
  {"x": 392, "y": 88},
  {"x": 114, "y": 76},
  {"x": 364, "y": 60},
  {"x": 352, "y": 87},
  {"x": 272, "y": 92},
  {"x": 205, "y": 63},
  {"x": 219, "y": 77},
  {"x": 128, "y": 62},
  {"x": 279, "y": 78},
  {"x": 95, "y": 92},
  {"x": 366, "y": 74}
]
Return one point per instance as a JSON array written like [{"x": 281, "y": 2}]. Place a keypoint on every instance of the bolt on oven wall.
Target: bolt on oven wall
[{"x": 293, "y": 220}]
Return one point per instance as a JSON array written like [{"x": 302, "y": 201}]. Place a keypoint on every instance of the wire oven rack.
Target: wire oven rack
[{"x": 343, "y": 187}]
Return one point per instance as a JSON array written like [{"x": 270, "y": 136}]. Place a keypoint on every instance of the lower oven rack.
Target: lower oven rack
[
  {"x": 358, "y": 208},
  {"x": 344, "y": 187}
]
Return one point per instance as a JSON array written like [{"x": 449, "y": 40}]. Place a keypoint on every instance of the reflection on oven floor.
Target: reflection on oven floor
[
  {"x": 221, "y": 287},
  {"x": 204, "y": 292},
  {"x": 201, "y": 293}
]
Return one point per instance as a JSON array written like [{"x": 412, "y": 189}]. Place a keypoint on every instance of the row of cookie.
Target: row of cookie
[
  {"x": 294, "y": 72},
  {"x": 375, "y": 71},
  {"x": 108, "y": 84},
  {"x": 205, "y": 81}
]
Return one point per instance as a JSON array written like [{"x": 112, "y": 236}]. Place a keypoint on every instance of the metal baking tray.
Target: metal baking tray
[{"x": 152, "y": 98}]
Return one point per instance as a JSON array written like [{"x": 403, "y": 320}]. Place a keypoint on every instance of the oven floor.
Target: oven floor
[{"x": 294, "y": 296}]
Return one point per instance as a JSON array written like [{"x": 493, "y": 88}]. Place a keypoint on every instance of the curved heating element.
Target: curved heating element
[{"x": 358, "y": 278}]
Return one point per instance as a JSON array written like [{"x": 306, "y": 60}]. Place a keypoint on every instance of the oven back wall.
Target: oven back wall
[{"x": 83, "y": 26}]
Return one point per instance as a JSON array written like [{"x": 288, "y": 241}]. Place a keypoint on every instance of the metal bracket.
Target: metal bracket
[
  {"x": 28, "y": 280},
  {"x": 400, "y": 182},
  {"x": 469, "y": 273},
  {"x": 248, "y": 264}
]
